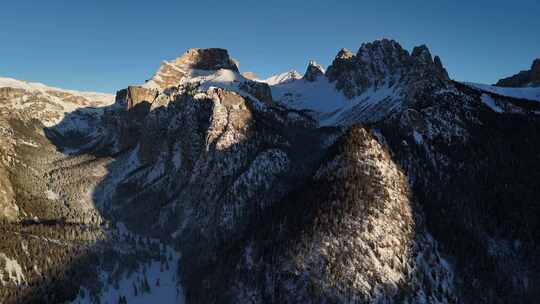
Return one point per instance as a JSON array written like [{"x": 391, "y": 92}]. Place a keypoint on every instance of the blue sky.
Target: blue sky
[{"x": 107, "y": 45}]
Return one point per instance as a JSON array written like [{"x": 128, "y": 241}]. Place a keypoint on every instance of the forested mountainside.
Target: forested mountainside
[{"x": 376, "y": 180}]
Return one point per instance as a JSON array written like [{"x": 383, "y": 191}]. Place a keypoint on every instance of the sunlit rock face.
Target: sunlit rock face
[
  {"x": 170, "y": 73},
  {"x": 135, "y": 95}
]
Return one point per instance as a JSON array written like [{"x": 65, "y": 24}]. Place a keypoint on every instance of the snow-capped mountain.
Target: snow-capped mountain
[
  {"x": 365, "y": 87},
  {"x": 282, "y": 78},
  {"x": 376, "y": 180}
]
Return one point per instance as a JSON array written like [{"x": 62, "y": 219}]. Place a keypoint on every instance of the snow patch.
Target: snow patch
[
  {"x": 51, "y": 195},
  {"x": 12, "y": 271},
  {"x": 490, "y": 102}
]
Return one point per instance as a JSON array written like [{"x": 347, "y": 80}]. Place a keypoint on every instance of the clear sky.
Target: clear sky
[{"x": 107, "y": 45}]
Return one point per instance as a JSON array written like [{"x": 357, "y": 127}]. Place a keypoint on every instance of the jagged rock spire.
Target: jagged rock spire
[
  {"x": 344, "y": 54},
  {"x": 440, "y": 67},
  {"x": 384, "y": 63},
  {"x": 422, "y": 53},
  {"x": 313, "y": 71}
]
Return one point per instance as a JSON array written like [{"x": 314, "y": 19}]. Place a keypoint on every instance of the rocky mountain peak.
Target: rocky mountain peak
[
  {"x": 438, "y": 64},
  {"x": 422, "y": 53},
  {"x": 170, "y": 73},
  {"x": 134, "y": 95},
  {"x": 527, "y": 78},
  {"x": 313, "y": 71},
  {"x": 380, "y": 51},
  {"x": 344, "y": 54},
  {"x": 207, "y": 59},
  {"x": 196, "y": 71},
  {"x": 384, "y": 63}
]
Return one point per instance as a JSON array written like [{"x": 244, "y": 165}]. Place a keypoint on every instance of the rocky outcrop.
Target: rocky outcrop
[
  {"x": 132, "y": 96},
  {"x": 313, "y": 71},
  {"x": 528, "y": 78},
  {"x": 8, "y": 208},
  {"x": 8, "y": 93},
  {"x": 259, "y": 90},
  {"x": 344, "y": 54}
]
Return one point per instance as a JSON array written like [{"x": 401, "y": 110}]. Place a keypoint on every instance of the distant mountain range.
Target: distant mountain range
[{"x": 376, "y": 180}]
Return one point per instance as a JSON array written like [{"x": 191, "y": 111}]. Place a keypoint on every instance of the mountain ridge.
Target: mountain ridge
[
  {"x": 378, "y": 180},
  {"x": 527, "y": 78}
]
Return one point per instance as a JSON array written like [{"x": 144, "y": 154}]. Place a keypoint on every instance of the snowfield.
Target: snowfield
[
  {"x": 330, "y": 106},
  {"x": 521, "y": 93}
]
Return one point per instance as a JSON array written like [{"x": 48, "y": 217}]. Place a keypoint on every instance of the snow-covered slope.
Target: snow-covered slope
[
  {"x": 155, "y": 281},
  {"x": 282, "y": 78},
  {"x": 45, "y": 103},
  {"x": 101, "y": 98},
  {"x": 330, "y": 106},
  {"x": 529, "y": 93},
  {"x": 365, "y": 87}
]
